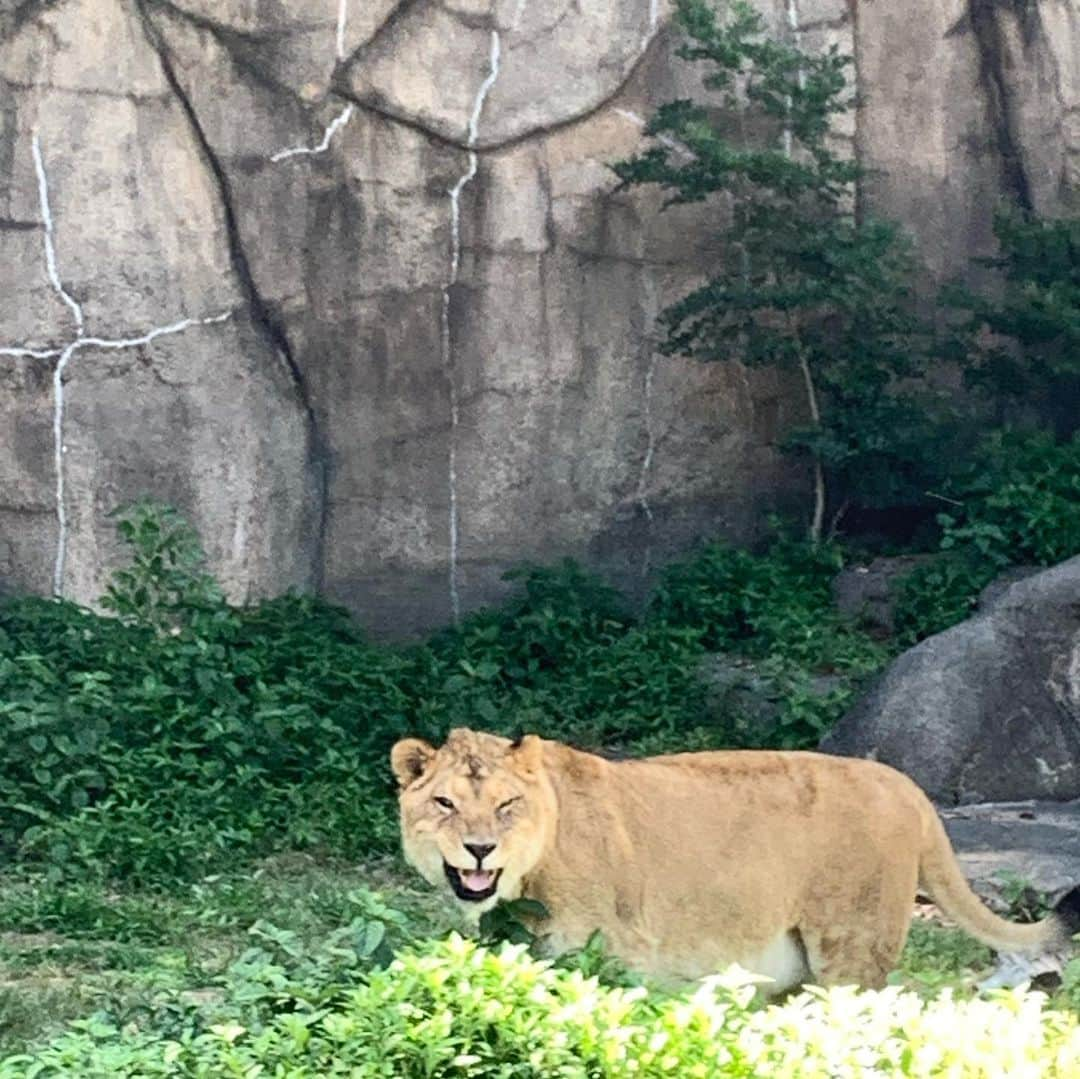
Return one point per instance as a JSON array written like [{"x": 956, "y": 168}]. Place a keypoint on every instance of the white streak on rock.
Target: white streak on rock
[
  {"x": 59, "y": 448},
  {"x": 239, "y": 538},
  {"x": 793, "y": 19},
  {"x": 80, "y": 341},
  {"x": 645, "y": 474},
  {"x": 446, "y": 345},
  {"x": 152, "y": 335},
  {"x": 33, "y": 353},
  {"x": 650, "y": 443},
  {"x": 650, "y": 436},
  {"x": 332, "y": 129},
  {"x": 654, "y": 19},
  {"x": 50, "y": 246},
  {"x": 796, "y": 32},
  {"x": 342, "y": 22}
]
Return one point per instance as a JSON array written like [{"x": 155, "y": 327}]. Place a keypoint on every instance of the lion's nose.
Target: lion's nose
[{"x": 479, "y": 850}]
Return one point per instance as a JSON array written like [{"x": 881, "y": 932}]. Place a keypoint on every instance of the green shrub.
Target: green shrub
[
  {"x": 1017, "y": 502},
  {"x": 936, "y": 956},
  {"x": 807, "y": 714},
  {"x": 186, "y": 733},
  {"x": 1020, "y": 342},
  {"x": 778, "y": 603},
  {"x": 1020, "y": 501},
  {"x": 1070, "y": 984},
  {"x": 565, "y": 659},
  {"x": 938, "y": 594},
  {"x": 754, "y": 604},
  {"x": 155, "y": 755},
  {"x": 451, "y": 1009},
  {"x": 775, "y": 608},
  {"x": 166, "y": 583}
]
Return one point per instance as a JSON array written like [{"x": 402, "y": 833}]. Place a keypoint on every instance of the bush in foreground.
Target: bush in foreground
[{"x": 452, "y": 1008}]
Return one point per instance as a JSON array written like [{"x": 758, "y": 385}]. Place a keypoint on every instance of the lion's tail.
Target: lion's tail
[{"x": 940, "y": 876}]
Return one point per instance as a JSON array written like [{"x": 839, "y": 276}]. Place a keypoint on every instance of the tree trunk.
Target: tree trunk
[{"x": 818, "y": 521}]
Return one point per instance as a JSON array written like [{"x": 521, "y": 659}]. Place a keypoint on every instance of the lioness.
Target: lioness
[{"x": 797, "y": 866}]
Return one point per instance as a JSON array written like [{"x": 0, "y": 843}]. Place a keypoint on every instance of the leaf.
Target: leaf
[
  {"x": 369, "y": 938},
  {"x": 31, "y": 811}
]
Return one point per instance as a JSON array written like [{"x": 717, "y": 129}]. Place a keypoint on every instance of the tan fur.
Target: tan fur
[{"x": 798, "y": 866}]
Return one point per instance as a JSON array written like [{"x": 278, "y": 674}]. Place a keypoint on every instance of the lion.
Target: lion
[{"x": 798, "y": 866}]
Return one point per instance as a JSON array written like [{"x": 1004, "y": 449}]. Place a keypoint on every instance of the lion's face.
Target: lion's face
[{"x": 476, "y": 815}]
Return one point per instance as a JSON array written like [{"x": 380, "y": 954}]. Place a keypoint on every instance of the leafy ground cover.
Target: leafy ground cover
[
  {"x": 149, "y": 959},
  {"x": 197, "y": 815},
  {"x": 166, "y": 740}
]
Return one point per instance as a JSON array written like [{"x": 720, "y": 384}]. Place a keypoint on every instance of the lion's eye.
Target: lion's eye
[
  {"x": 444, "y": 802},
  {"x": 507, "y": 805}
]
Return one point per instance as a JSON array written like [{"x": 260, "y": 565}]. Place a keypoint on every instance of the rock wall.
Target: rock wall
[{"x": 351, "y": 283}]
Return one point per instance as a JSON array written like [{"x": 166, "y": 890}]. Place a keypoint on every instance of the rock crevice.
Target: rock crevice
[
  {"x": 982, "y": 16},
  {"x": 262, "y": 315}
]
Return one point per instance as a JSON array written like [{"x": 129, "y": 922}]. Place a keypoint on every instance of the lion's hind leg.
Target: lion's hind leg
[
  {"x": 861, "y": 940},
  {"x": 851, "y": 957}
]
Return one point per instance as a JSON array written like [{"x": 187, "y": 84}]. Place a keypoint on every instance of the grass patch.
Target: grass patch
[
  {"x": 936, "y": 957},
  {"x": 72, "y": 949},
  {"x": 293, "y": 927}
]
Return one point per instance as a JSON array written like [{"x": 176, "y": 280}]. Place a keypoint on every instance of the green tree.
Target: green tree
[
  {"x": 1022, "y": 345},
  {"x": 805, "y": 285}
]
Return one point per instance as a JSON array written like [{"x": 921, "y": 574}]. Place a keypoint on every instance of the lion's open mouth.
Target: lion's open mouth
[{"x": 472, "y": 885}]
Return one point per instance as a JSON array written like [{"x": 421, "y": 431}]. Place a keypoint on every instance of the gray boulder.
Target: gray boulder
[
  {"x": 989, "y": 710},
  {"x": 1001, "y": 584},
  {"x": 867, "y": 592}
]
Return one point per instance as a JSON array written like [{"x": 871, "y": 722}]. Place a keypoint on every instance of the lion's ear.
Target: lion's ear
[
  {"x": 527, "y": 753},
  {"x": 409, "y": 759}
]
